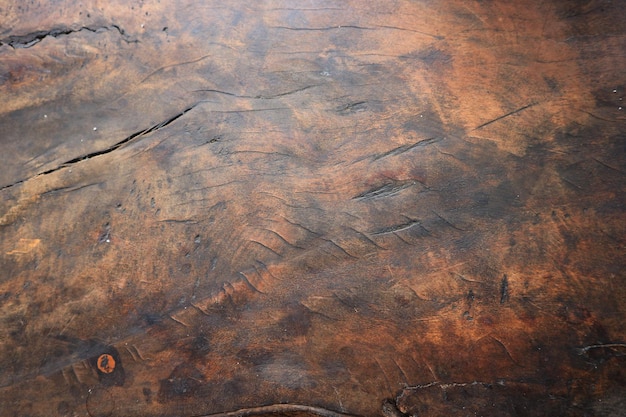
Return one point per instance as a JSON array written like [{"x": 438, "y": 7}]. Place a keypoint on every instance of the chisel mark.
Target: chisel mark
[{"x": 504, "y": 289}]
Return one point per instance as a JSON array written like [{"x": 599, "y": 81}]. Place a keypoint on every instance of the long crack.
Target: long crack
[
  {"x": 33, "y": 38},
  {"x": 107, "y": 150}
]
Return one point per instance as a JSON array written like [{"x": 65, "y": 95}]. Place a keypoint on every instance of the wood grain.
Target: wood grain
[{"x": 312, "y": 208}]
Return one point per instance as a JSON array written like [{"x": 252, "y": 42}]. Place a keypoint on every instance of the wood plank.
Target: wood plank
[{"x": 329, "y": 208}]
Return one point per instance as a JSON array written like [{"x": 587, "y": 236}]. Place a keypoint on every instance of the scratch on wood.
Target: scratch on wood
[
  {"x": 446, "y": 221},
  {"x": 405, "y": 148},
  {"x": 506, "y": 350},
  {"x": 131, "y": 353},
  {"x": 339, "y": 247},
  {"x": 600, "y": 346},
  {"x": 178, "y": 321},
  {"x": 266, "y": 247},
  {"x": 386, "y": 190},
  {"x": 504, "y": 116},
  {"x": 396, "y": 228}
]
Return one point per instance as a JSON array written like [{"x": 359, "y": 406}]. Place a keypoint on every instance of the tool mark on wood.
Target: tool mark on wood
[
  {"x": 446, "y": 221},
  {"x": 609, "y": 166},
  {"x": 178, "y": 321},
  {"x": 301, "y": 226},
  {"x": 265, "y": 247},
  {"x": 506, "y": 350},
  {"x": 387, "y": 190},
  {"x": 280, "y": 237},
  {"x": 504, "y": 116},
  {"x": 70, "y": 189},
  {"x": 405, "y": 148},
  {"x": 161, "y": 69},
  {"x": 404, "y": 375},
  {"x": 339, "y": 247},
  {"x": 318, "y": 312},
  {"x": 399, "y": 228},
  {"x": 249, "y": 283},
  {"x": 291, "y": 205},
  {"x": 604, "y": 119},
  {"x": 437, "y": 37},
  {"x": 366, "y": 237},
  {"x": 384, "y": 374}
]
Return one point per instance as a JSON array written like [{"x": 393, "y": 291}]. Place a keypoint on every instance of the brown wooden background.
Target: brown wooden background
[{"x": 313, "y": 207}]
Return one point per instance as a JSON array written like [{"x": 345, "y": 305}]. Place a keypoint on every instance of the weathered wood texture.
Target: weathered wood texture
[{"x": 395, "y": 207}]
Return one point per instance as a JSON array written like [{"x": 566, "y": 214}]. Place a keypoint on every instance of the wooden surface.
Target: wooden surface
[{"x": 312, "y": 207}]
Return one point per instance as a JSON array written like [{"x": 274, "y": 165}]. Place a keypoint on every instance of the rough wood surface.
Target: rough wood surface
[{"x": 312, "y": 208}]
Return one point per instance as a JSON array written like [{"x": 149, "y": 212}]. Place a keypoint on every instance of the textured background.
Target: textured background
[{"x": 324, "y": 203}]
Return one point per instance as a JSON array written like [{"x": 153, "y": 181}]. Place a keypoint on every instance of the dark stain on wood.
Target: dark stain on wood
[
  {"x": 504, "y": 289},
  {"x": 108, "y": 365}
]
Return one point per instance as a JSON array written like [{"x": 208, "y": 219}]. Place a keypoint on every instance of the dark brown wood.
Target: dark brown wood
[{"x": 312, "y": 208}]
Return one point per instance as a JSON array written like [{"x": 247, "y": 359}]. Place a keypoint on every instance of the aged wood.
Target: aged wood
[{"x": 312, "y": 208}]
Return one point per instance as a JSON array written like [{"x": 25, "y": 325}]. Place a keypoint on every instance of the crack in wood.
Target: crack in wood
[
  {"x": 322, "y": 28},
  {"x": 281, "y": 409},
  {"x": 107, "y": 150},
  {"x": 258, "y": 96},
  {"x": 33, "y": 38}
]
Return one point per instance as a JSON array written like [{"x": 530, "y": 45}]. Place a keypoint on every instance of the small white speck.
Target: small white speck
[
  {"x": 619, "y": 108},
  {"x": 45, "y": 116},
  {"x": 108, "y": 240},
  {"x": 81, "y": 140},
  {"x": 95, "y": 128},
  {"x": 70, "y": 171},
  {"x": 615, "y": 91},
  {"x": 142, "y": 25},
  {"x": 421, "y": 115}
]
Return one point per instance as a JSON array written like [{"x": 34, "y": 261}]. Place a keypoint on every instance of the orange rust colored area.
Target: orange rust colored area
[{"x": 106, "y": 363}]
